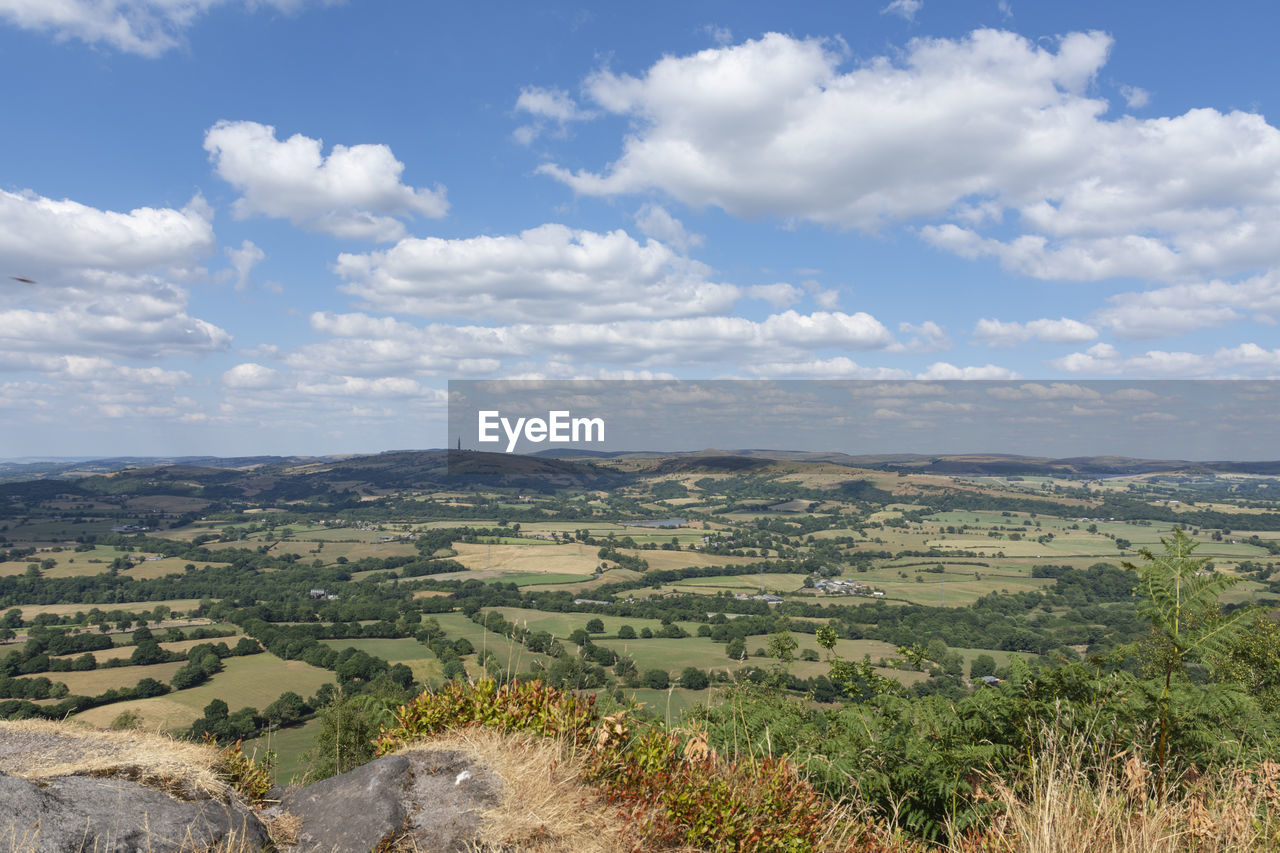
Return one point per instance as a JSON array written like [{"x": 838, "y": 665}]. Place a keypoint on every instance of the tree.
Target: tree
[
  {"x": 595, "y": 626},
  {"x": 982, "y": 665},
  {"x": 736, "y": 649},
  {"x": 626, "y": 632},
  {"x": 287, "y": 710},
  {"x": 658, "y": 679},
  {"x": 345, "y": 740},
  {"x": 693, "y": 678},
  {"x": 1180, "y": 601}
]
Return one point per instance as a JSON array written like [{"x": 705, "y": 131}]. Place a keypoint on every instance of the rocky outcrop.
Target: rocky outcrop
[
  {"x": 71, "y": 814},
  {"x": 423, "y": 799}
]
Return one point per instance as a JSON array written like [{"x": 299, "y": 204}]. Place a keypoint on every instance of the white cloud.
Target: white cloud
[
  {"x": 997, "y": 333},
  {"x": 250, "y": 375},
  {"x": 840, "y": 367},
  {"x": 243, "y": 261},
  {"x": 145, "y": 27},
  {"x": 773, "y": 127},
  {"x": 546, "y": 106},
  {"x": 779, "y": 295},
  {"x": 925, "y": 337},
  {"x": 1185, "y": 307},
  {"x": 105, "y": 280},
  {"x": 953, "y": 133},
  {"x": 655, "y": 221},
  {"x": 353, "y": 193},
  {"x": 363, "y": 345},
  {"x": 719, "y": 35},
  {"x": 1135, "y": 97},
  {"x": 827, "y": 299},
  {"x": 1042, "y": 392},
  {"x": 550, "y": 272},
  {"x": 1248, "y": 360},
  {"x": 39, "y": 235},
  {"x": 944, "y": 370},
  {"x": 905, "y": 9}
]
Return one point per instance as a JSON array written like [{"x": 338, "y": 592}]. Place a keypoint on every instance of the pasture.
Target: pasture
[{"x": 255, "y": 681}]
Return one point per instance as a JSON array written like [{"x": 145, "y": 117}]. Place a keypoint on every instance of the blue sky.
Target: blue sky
[{"x": 282, "y": 226}]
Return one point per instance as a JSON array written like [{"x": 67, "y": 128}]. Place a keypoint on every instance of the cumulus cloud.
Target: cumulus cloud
[
  {"x": 946, "y": 370},
  {"x": 773, "y": 127},
  {"x": 363, "y": 345},
  {"x": 354, "y": 192},
  {"x": 243, "y": 260},
  {"x": 145, "y": 27},
  {"x": 1135, "y": 96},
  {"x": 39, "y": 236},
  {"x": 779, "y": 295},
  {"x": 997, "y": 333},
  {"x": 840, "y": 367},
  {"x": 553, "y": 107},
  {"x": 952, "y": 134},
  {"x": 250, "y": 375},
  {"x": 654, "y": 221},
  {"x": 1180, "y": 308},
  {"x": 905, "y": 9},
  {"x": 1248, "y": 360},
  {"x": 924, "y": 337},
  {"x": 551, "y": 272},
  {"x": 106, "y": 280},
  {"x": 1045, "y": 391}
]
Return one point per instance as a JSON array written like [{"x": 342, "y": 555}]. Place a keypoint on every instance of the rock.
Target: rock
[
  {"x": 69, "y": 814},
  {"x": 428, "y": 799},
  {"x": 447, "y": 796},
  {"x": 352, "y": 812}
]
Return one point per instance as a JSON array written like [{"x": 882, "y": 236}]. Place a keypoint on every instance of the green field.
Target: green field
[
  {"x": 255, "y": 681},
  {"x": 511, "y": 655},
  {"x": 415, "y": 655},
  {"x": 563, "y": 624},
  {"x": 290, "y": 746},
  {"x": 96, "y": 681}
]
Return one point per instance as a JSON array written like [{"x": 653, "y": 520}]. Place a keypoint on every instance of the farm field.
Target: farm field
[
  {"x": 175, "y": 605},
  {"x": 410, "y": 652},
  {"x": 123, "y": 651},
  {"x": 541, "y": 559},
  {"x": 561, "y": 625},
  {"x": 96, "y": 681},
  {"x": 290, "y": 745},
  {"x": 255, "y": 681}
]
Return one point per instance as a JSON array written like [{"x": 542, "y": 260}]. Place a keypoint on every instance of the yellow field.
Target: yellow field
[
  {"x": 177, "y": 605},
  {"x": 159, "y": 568},
  {"x": 685, "y": 559},
  {"x": 124, "y": 651},
  {"x": 559, "y": 559},
  {"x": 257, "y": 681},
  {"x": 97, "y": 681}
]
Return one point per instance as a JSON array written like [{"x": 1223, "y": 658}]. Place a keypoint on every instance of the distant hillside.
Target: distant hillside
[{"x": 299, "y": 478}]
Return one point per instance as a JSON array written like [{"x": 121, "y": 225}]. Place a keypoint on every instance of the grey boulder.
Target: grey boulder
[{"x": 70, "y": 814}]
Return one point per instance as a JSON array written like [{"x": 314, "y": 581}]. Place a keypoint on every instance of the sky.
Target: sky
[{"x": 239, "y": 227}]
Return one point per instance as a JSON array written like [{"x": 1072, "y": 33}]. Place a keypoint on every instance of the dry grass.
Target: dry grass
[
  {"x": 545, "y": 806},
  {"x": 1068, "y": 810},
  {"x": 42, "y": 749}
]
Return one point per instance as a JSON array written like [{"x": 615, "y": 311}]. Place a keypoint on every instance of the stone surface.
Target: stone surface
[
  {"x": 113, "y": 815},
  {"x": 425, "y": 798},
  {"x": 446, "y": 798},
  {"x": 351, "y": 813}
]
